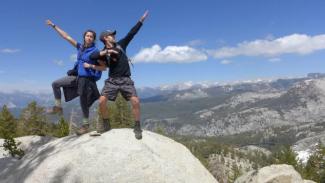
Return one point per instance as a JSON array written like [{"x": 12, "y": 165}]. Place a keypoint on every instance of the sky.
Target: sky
[{"x": 180, "y": 41}]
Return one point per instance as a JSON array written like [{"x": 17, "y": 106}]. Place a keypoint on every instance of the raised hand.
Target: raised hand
[
  {"x": 63, "y": 34},
  {"x": 49, "y": 22},
  {"x": 144, "y": 16}
]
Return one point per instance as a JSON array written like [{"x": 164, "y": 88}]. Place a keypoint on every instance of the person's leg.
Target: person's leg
[
  {"x": 103, "y": 107},
  {"x": 129, "y": 93},
  {"x": 103, "y": 125},
  {"x": 56, "y": 85},
  {"x": 82, "y": 91},
  {"x": 136, "y": 112},
  {"x": 135, "y": 102},
  {"x": 84, "y": 108},
  {"x": 62, "y": 82},
  {"x": 109, "y": 92}
]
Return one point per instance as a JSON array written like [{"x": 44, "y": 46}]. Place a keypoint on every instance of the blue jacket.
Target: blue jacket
[{"x": 84, "y": 57}]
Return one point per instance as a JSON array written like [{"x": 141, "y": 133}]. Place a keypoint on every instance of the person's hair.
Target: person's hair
[
  {"x": 93, "y": 32},
  {"x": 102, "y": 40}
]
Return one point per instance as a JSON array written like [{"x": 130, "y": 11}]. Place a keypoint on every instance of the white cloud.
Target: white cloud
[
  {"x": 58, "y": 62},
  {"x": 226, "y": 62},
  {"x": 73, "y": 57},
  {"x": 274, "y": 59},
  {"x": 176, "y": 54},
  {"x": 291, "y": 44},
  {"x": 9, "y": 50}
]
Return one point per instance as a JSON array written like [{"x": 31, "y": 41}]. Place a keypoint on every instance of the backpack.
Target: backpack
[{"x": 73, "y": 71}]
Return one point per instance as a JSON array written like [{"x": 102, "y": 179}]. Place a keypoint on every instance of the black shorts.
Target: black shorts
[{"x": 125, "y": 85}]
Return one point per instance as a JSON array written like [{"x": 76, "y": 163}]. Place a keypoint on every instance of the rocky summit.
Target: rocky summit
[{"x": 116, "y": 156}]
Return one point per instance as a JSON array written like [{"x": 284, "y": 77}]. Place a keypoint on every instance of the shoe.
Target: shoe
[
  {"x": 55, "y": 110},
  {"x": 137, "y": 131},
  {"x": 83, "y": 129},
  {"x": 94, "y": 134}
]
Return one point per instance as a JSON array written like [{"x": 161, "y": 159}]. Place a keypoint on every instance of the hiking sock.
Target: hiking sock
[
  {"x": 85, "y": 121},
  {"x": 58, "y": 102}
]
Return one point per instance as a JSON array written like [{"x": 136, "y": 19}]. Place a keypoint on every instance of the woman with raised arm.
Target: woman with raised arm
[{"x": 81, "y": 78}]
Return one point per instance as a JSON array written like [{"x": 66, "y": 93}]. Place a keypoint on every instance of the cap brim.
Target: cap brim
[{"x": 113, "y": 33}]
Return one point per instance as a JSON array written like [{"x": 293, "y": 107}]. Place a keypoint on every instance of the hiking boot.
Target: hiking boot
[
  {"x": 55, "y": 110},
  {"x": 83, "y": 129},
  {"x": 103, "y": 126},
  {"x": 107, "y": 126},
  {"x": 94, "y": 134},
  {"x": 137, "y": 131}
]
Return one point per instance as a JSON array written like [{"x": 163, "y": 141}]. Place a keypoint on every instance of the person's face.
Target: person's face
[
  {"x": 110, "y": 38},
  {"x": 89, "y": 38}
]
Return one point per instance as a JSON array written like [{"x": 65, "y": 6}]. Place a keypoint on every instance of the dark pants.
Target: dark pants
[
  {"x": 86, "y": 89},
  {"x": 88, "y": 93},
  {"x": 67, "y": 81}
]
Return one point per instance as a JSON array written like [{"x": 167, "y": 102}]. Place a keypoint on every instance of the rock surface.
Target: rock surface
[
  {"x": 27, "y": 143},
  {"x": 273, "y": 174},
  {"x": 116, "y": 156}
]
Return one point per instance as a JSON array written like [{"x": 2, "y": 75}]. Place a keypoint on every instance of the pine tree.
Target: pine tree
[
  {"x": 120, "y": 113},
  {"x": 11, "y": 146},
  {"x": 310, "y": 169},
  {"x": 315, "y": 167},
  {"x": 63, "y": 128},
  {"x": 33, "y": 121},
  {"x": 8, "y": 124},
  {"x": 322, "y": 177},
  {"x": 286, "y": 156},
  {"x": 8, "y": 127}
]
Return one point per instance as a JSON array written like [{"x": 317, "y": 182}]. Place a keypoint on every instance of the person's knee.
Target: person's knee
[
  {"x": 102, "y": 101},
  {"x": 55, "y": 84},
  {"x": 135, "y": 101}
]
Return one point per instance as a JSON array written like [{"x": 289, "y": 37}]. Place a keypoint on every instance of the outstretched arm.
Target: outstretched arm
[
  {"x": 100, "y": 67},
  {"x": 63, "y": 34},
  {"x": 144, "y": 16},
  {"x": 96, "y": 55},
  {"x": 126, "y": 40}
]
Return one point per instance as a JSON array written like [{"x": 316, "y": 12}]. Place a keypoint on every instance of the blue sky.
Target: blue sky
[{"x": 210, "y": 40}]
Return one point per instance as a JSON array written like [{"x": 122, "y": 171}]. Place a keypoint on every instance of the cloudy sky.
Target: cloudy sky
[{"x": 209, "y": 40}]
